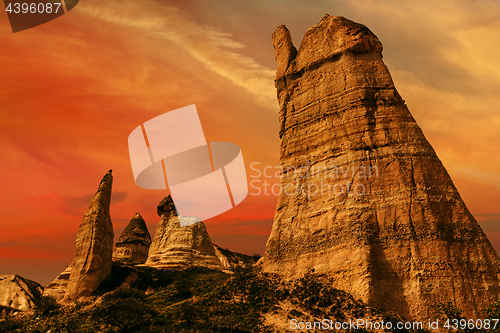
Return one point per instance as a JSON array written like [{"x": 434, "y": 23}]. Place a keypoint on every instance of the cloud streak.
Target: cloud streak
[{"x": 210, "y": 46}]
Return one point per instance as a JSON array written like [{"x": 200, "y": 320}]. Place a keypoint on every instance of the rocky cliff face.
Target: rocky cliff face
[
  {"x": 365, "y": 199},
  {"x": 93, "y": 250},
  {"x": 133, "y": 245},
  {"x": 17, "y": 294},
  {"x": 181, "y": 246}
]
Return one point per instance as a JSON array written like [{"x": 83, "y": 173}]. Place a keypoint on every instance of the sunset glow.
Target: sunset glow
[{"x": 72, "y": 90}]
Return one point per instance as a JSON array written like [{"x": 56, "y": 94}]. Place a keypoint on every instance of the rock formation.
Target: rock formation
[
  {"x": 365, "y": 199},
  {"x": 59, "y": 286},
  {"x": 17, "y": 294},
  {"x": 176, "y": 246},
  {"x": 93, "y": 250},
  {"x": 133, "y": 245}
]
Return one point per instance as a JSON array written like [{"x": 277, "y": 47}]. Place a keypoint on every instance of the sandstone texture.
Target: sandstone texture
[
  {"x": 93, "y": 250},
  {"x": 59, "y": 286},
  {"x": 365, "y": 199},
  {"x": 17, "y": 294},
  {"x": 133, "y": 245},
  {"x": 176, "y": 246}
]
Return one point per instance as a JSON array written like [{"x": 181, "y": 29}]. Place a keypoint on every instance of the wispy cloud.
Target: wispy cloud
[
  {"x": 70, "y": 205},
  {"x": 212, "y": 47}
]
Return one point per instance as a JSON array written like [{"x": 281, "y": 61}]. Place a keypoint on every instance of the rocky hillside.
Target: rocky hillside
[
  {"x": 139, "y": 299},
  {"x": 143, "y": 299}
]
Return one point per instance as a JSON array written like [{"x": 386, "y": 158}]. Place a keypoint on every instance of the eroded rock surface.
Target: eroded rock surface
[
  {"x": 93, "y": 250},
  {"x": 181, "y": 246},
  {"x": 133, "y": 245},
  {"x": 59, "y": 286},
  {"x": 365, "y": 198},
  {"x": 17, "y": 294}
]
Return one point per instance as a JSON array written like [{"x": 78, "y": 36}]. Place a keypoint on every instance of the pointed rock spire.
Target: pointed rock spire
[
  {"x": 133, "y": 245},
  {"x": 93, "y": 250},
  {"x": 284, "y": 50},
  {"x": 285, "y": 53},
  {"x": 376, "y": 209},
  {"x": 94, "y": 245}
]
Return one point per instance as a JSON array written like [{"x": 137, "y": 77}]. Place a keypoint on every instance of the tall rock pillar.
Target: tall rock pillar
[
  {"x": 93, "y": 250},
  {"x": 365, "y": 199},
  {"x": 94, "y": 245}
]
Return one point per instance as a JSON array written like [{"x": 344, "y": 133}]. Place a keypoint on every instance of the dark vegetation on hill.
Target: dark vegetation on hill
[
  {"x": 197, "y": 300},
  {"x": 191, "y": 300}
]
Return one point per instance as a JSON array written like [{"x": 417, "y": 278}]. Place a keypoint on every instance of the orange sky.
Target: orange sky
[{"x": 73, "y": 89}]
